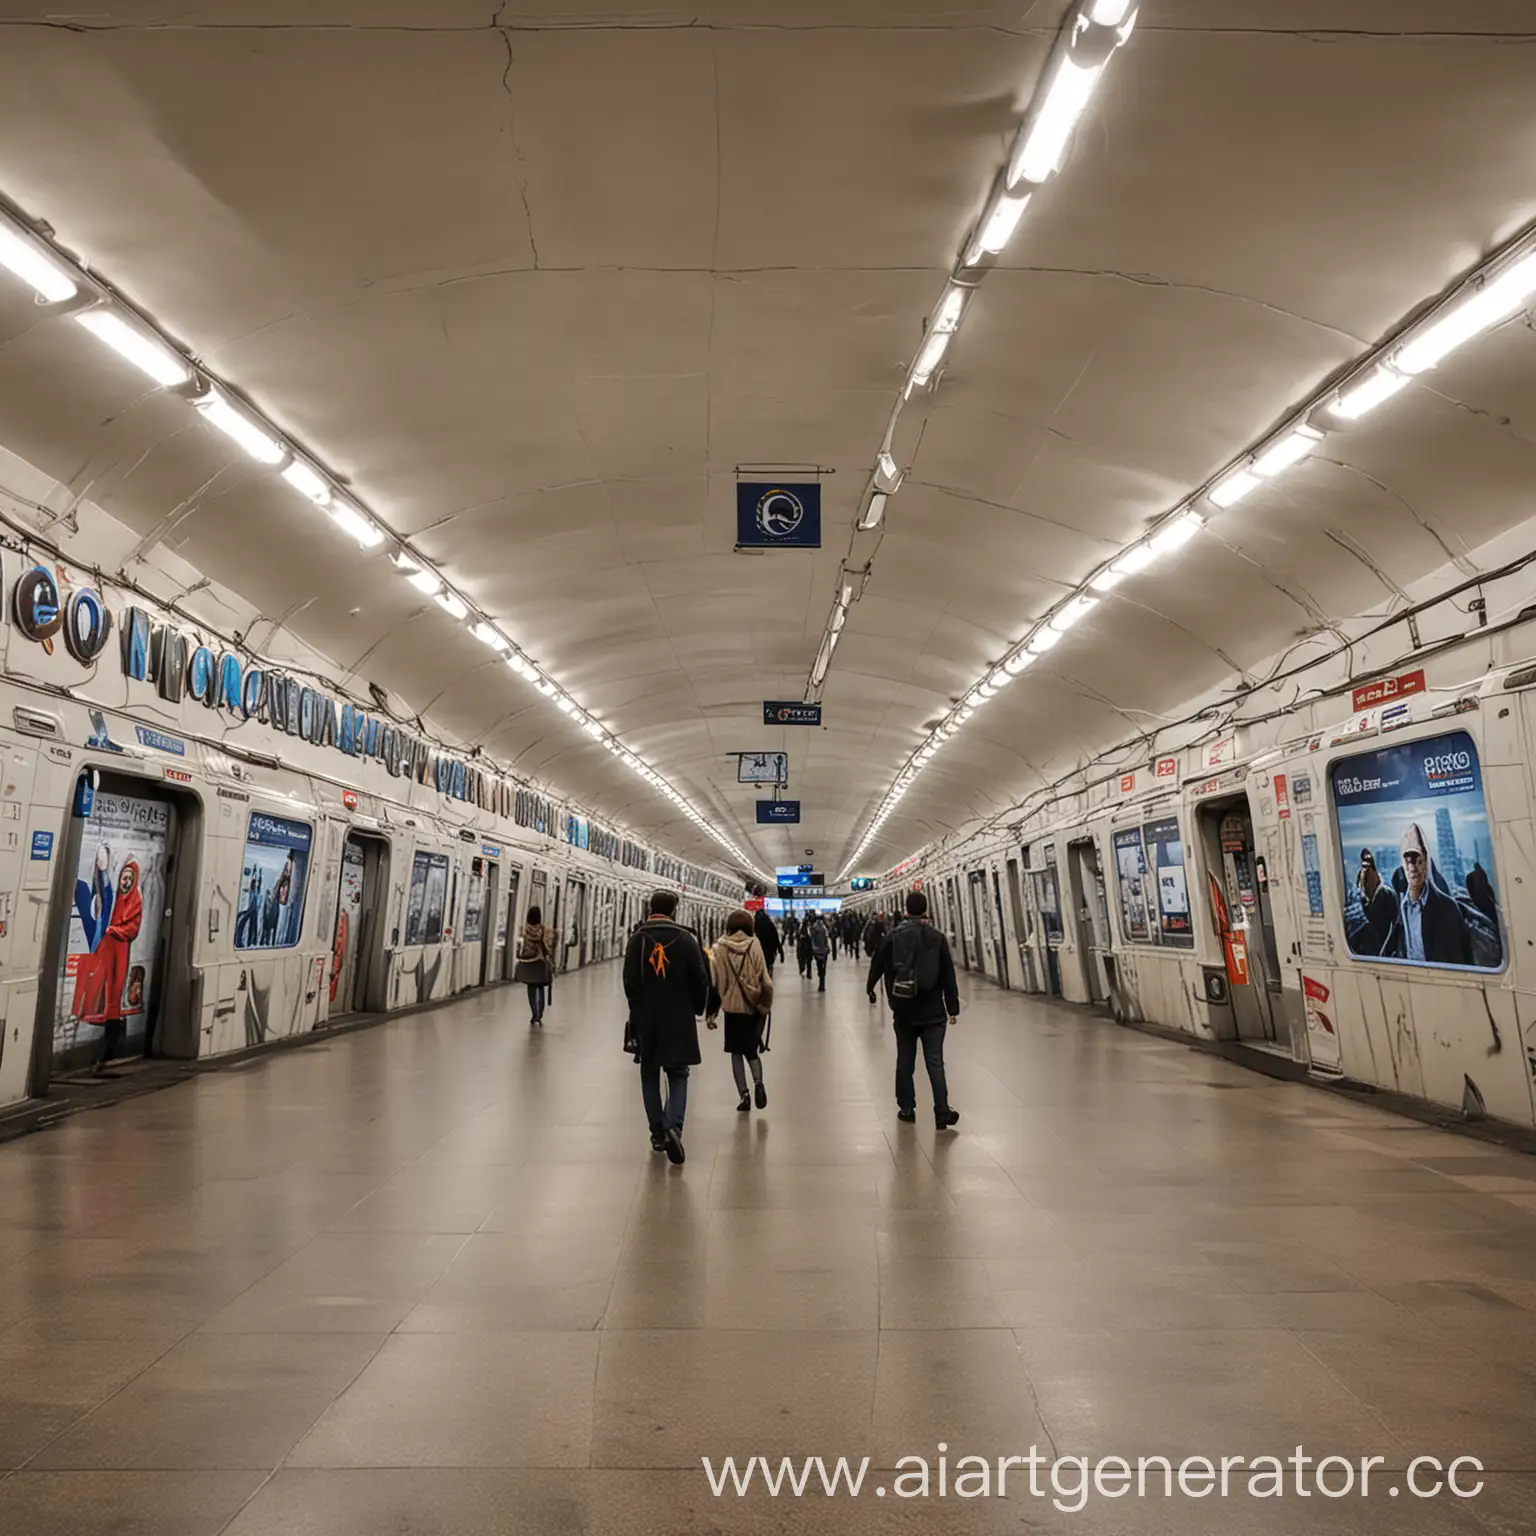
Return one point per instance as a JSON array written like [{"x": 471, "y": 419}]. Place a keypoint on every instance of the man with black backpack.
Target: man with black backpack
[{"x": 919, "y": 975}]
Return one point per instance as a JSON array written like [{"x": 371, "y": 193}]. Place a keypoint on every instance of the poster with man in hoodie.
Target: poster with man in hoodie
[
  {"x": 1419, "y": 883},
  {"x": 273, "y": 875}
]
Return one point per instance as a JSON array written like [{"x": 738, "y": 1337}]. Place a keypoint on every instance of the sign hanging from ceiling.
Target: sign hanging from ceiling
[
  {"x": 778, "y": 712},
  {"x": 777, "y": 812},
  {"x": 786, "y": 515},
  {"x": 762, "y": 767}
]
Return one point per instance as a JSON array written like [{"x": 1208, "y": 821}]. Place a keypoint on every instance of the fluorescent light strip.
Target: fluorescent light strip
[
  {"x": 146, "y": 352},
  {"x": 240, "y": 427},
  {"x": 1088, "y": 37}
]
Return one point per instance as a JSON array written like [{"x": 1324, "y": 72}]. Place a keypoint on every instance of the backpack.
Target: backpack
[{"x": 914, "y": 960}]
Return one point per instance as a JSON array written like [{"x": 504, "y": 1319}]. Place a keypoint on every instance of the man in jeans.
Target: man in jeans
[
  {"x": 667, "y": 986},
  {"x": 919, "y": 974}
]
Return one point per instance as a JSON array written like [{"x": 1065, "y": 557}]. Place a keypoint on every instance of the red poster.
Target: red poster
[
  {"x": 1282, "y": 797},
  {"x": 1127, "y": 783},
  {"x": 1166, "y": 768},
  {"x": 1385, "y": 689}
]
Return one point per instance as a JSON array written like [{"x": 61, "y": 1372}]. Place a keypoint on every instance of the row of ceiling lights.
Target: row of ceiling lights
[
  {"x": 59, "y": 281},
  {"x": 1090, "y": 35},
  {"x": 1499, "y": 288}
]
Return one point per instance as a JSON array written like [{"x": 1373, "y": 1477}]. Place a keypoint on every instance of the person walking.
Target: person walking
[
  {"x": 803, "y": 948},
  {"x": 768, "y": 937},
  {"x": 667, "y": 986},
  {"x": 834, "y": 933},
  {"x": 741, "y": 987},
  {"x": 918, "y": 970},
  {"x": 874, "y": 934},
  {"x": 820, "y": 943},
  {"x": 535, "y": 966}
]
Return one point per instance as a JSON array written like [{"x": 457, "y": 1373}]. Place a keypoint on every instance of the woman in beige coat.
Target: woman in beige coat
[{"x": 741, "y": 988}]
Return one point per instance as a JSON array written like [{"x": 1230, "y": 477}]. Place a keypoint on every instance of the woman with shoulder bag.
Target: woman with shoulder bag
[
  {"x": 741, "y": 988},
  {"x": 535, "y": 963}
]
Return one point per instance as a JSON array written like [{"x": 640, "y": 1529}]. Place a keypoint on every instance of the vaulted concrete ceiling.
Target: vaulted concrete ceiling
[{"x": 537, "y": 283}]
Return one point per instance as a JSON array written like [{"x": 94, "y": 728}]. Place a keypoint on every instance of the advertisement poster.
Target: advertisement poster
[
  {"x": 474, "y": 900},
  {"x": 1131, "y": 866},
  {"x": 349, "y": 916},
  {"x": 428, "y": 895},
  {"x": 114, "y": 923},
  {"x": 1165, "y": 850},
  {"x": 1419, "y": 880},
  {"x": 273, "y": 877}
]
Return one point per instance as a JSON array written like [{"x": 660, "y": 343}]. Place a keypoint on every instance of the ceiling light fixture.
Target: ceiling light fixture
[
  {"x": 22, "y": 253},
  {"x": 1285, "y": 451},
  {"x": 354, "y": 521},
  {"x": 452, "y": 604},
  {"x": 1232, "y": 487},
  {"x": 1000, "y": 223},
  {"x": 1045, "y": 139},
  {"x": 874, "y": 512},
  {"x": 1366, "y": 391},
  {"x": 1485, "y": 301},
  {"x": 147, "y": 353},
  {"x": 240, "y": 427},
  {"x": 307, "y": 481}
]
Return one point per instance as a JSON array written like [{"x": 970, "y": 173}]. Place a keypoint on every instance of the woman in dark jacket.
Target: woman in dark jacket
[{"x": 535, "y": 963}]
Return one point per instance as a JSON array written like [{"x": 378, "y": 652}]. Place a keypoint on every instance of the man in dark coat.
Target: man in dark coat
[
  {"x": 768, "y": 936},
  {"x": 918, "y": 970},
  {"x": 667, "y": 984}
]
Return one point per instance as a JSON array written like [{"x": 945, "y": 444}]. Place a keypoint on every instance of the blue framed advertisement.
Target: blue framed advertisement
[
  {"x": 273, "y": 877},
  {"x": 1419, "y": 882}
]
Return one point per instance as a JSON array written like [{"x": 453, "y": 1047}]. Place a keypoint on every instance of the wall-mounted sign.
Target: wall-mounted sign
[
  {"x": 149, "y": 737},
  {"x": 1282, "y": 798},
  {"x": 777, "y": 812},
  {"x": 1166, "y": 768},
  {"x": 1387, "y": 688},
  {"x": 862, "y": 883},
  {"x": 42, "y": 845},
  {"x": 786, "y": 515},
  {"x": 777, "y": 712},
  {"x": 349, "y": 799},
  {"x": 1127, "y": 783},
  {"x": 1219, "y": 754},
  {"x": 762, "y": 767}
]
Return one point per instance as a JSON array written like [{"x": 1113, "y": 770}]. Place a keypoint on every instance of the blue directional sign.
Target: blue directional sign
[
  {"x": 784, "y": 515},
  {"x": 779, "y": 712},
  {"x": 777, "y": 812}
]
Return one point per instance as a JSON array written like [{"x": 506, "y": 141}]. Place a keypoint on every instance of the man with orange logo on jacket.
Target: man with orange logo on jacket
[{"x": 667, "y": 985}]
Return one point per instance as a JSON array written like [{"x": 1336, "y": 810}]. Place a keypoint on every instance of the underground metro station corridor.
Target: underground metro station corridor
[{"x": 427, "y": 1277}]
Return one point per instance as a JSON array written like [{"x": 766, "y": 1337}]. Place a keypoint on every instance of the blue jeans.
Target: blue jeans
[
  {"x": 669, "y": 1118},
  {"x": 536, "y": 999}
]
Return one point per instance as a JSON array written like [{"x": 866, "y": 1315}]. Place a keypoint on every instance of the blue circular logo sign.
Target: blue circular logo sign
[{"x": 779, "y": 513}]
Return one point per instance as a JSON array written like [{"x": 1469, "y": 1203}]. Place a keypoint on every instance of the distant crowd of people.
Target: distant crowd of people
[{"x": 670, "y": 980}]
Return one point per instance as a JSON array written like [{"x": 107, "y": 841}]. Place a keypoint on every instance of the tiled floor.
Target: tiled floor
[{"x": 429, "y": 1279}]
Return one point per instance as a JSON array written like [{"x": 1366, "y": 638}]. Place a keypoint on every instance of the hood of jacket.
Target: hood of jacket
[{"x": 738, "y": 943}]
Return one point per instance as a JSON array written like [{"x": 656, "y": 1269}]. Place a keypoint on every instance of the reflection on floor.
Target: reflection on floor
[{"x": 429, "y": 1278}]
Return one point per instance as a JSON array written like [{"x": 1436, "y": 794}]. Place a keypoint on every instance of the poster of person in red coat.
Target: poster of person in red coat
[{"x": 114, "y": 927}]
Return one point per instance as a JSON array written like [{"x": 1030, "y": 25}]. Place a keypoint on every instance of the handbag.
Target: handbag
[{"x": 631, "y": 1039}]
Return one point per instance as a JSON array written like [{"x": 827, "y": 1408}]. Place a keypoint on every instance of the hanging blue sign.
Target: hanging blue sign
[
  {"x": 775, "y": 812},
  {"x": 149, "y": 737},
  {"x": 42, "y": 843},
  {"x": 778, "y": 712},
  {"x": 778, "y": 516}
]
